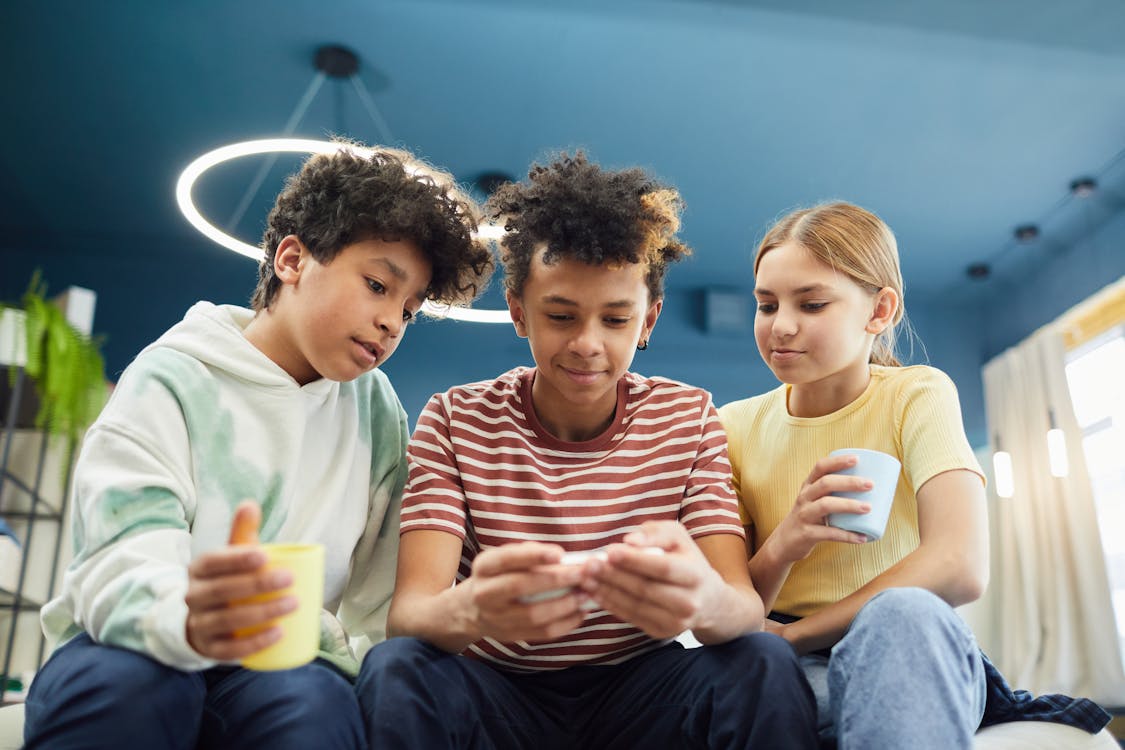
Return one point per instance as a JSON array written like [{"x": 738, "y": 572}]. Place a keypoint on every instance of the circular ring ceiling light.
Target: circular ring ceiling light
[{"x": 195, "y": 170}]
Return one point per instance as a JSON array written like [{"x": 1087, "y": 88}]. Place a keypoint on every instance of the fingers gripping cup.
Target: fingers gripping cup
[
  {"x": 300, "y": 629},
  {"x": 882, "y": 469}
]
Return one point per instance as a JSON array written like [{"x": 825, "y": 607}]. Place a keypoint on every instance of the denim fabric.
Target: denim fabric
[
  {"x": 746, "y": 693},
  {"x": 910, "y": 645},
  {"x": 93, "y": 696},
  {"x": 815, "y": 667},
  {"x": 907, "y": 674}
]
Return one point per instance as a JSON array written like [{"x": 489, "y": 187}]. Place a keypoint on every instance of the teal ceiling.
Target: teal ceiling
[{"x": 956, "y": 121}]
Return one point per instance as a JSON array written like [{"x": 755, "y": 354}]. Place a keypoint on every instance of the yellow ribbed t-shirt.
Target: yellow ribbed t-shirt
[{"x": 911, "y": 413}]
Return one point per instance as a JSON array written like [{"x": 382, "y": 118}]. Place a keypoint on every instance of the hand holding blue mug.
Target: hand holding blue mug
[{"x": 882, "y": 469}]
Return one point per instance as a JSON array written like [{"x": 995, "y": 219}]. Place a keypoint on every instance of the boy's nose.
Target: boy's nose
[
  {"x": 390, "y": 323},
  {"x": 585, "y": 343}
]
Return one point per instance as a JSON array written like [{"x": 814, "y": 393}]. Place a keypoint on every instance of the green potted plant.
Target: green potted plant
[{"x": 65, "y": 365}]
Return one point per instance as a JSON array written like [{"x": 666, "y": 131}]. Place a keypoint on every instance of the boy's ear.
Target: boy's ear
[
  {"x": 516, "y": 310},
  {"x": 651, "y": 315},
  {"x": 887, "y": 302},
  {"x": 289, "y": 259}
]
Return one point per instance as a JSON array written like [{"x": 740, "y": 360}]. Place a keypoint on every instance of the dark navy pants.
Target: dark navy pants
[
  {"x": 93, "y": 696},
  {"x": 748, "y": 693}
]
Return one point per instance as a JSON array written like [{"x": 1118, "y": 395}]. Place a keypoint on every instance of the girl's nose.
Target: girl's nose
[{"x": 784, "y": 323}]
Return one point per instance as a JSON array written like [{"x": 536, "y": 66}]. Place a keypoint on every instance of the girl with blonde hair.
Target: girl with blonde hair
[{"x": 891, "y": 663}]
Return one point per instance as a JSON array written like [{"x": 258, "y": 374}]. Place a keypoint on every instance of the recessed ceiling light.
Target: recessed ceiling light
[
  {"x": 1026, "y": 233},
  {"x": 978, "y": 271},
  {"x": 489, "y": 181},
  {"x": 1084, "y": 187}
]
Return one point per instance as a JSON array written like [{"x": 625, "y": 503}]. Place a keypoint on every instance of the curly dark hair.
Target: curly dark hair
[
  {"x": 355, "y": 194},
  {"x": 576, "y": 209}
]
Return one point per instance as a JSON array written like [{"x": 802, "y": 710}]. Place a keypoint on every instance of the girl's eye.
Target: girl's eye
[
  {"x": 767, "y": 307},
  {"x": 814, "y": 306},
  {"x": 407, "y": 316},
  {"x": 376, "y": 286}
]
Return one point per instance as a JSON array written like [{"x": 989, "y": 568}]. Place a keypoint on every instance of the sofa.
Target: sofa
[{"x": 1020, "y": 735}]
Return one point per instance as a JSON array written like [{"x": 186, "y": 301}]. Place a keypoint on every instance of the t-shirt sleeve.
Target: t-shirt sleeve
[
  {"x": 710, "y": 505},
  {"x": 434, "y": 497},
  {"x": 733, "y": 425},
  {"x": 931, "y": 430}
]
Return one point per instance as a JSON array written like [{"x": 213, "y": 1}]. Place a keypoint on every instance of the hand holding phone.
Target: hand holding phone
[{"x": 579, "y": 558}]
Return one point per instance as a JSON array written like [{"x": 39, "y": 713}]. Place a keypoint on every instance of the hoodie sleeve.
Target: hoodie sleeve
[
  {"x": 367, "y": 597},
  {"x": 133, "y": 505}
]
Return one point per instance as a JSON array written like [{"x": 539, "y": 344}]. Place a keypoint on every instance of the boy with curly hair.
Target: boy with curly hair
[
  {"x": 563, "y": 523},
  {"x": 282, "y": 404}
]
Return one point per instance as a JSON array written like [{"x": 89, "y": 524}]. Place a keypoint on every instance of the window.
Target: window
[{"x": 1094, "y": 373}]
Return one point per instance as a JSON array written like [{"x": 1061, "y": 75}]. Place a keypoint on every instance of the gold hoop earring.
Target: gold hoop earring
[{"x": 643, "y": 345}]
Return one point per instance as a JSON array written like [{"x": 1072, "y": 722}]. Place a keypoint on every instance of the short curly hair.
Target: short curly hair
[
  {"x": 356, "y": 194},
  {"x": 575, "y": 209}
]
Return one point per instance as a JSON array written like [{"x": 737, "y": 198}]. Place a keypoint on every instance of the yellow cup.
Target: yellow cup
[{"x": 300, "y": 629}]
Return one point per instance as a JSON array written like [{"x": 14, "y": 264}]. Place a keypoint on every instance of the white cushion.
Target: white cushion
[
  {"x": 11, "y": 727},
  {"x": 1041, "y": 735},
  {"x": 1018, "y": 735}
]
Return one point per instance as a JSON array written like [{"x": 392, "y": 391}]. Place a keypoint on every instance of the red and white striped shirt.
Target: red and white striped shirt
[{"x": 483, "y": 468}]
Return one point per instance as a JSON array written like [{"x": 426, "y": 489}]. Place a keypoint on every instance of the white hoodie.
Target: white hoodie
[{"x": 200, "y": 421}]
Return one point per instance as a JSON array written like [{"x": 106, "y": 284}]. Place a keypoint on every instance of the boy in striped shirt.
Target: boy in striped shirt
[{"x": 513, "y": 645}]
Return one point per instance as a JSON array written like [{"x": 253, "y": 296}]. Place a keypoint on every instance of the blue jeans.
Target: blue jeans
[
  {"x": 92, "y": 696},
  {"x": 746, "y": 693},
  {"x": 908, "y": 673}
]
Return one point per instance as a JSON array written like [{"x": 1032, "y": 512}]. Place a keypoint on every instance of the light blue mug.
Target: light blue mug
[{"x": 882, "y": 469}]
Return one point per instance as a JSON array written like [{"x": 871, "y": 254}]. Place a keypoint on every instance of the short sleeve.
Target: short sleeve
[
  {"x": 933, "y": 439},
  {"x": 710, "y": 504},
  {"x": 434, "y": 497},
  {"x": 729, "y": 418}
]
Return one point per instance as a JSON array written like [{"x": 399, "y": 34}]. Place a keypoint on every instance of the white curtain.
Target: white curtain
[{"x": 1047, "y": 619}]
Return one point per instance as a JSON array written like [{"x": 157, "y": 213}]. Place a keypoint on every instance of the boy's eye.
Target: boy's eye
[
  {"x": 559, "y": 317},
  {"x": 376, "y": 286},
  {"x": 407, "y": 316},
  {"x": 617, "y": 321}
]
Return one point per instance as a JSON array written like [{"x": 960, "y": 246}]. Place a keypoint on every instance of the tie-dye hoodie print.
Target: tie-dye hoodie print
[{"x": 200, "y": 421}]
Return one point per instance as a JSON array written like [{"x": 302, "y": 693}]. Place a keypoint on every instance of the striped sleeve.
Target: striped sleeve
[
  {"x": 710, "y": 505},
  {"x": 434, "y": 497}
]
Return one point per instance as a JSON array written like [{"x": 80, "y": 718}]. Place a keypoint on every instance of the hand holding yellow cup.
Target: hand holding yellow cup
[{"x": 300, "y": 629}]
